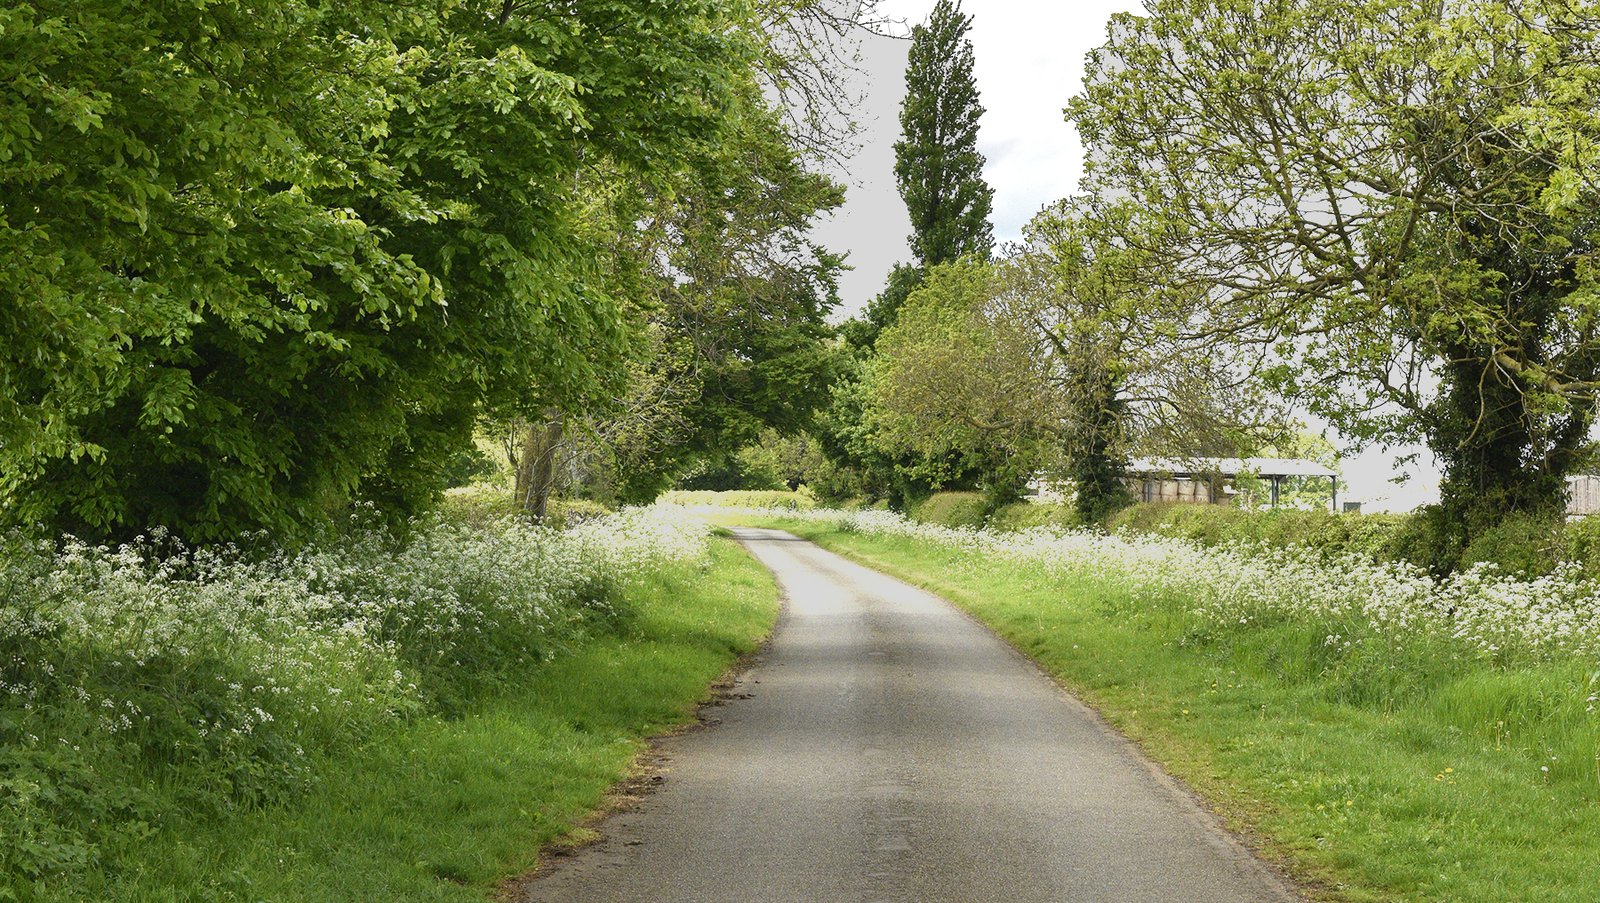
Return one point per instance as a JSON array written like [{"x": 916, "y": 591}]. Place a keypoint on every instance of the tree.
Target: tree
[
  {"x": 724, "y": 293},
  {"x": 1142, "y": 363},
  {"x": 940, "y": 175},
  {"x": 861, "y": 332},
  {"x": 262, "y": 259},
  {"x": 772, "y": 462},
  {"x": 1404, "y": 193},
  {"x": 937, "y": 164},
  {"x": 784, "y": 462},
  {"x": 174, "y": 268},
  {"x": 1069, "y": 353},
  {"x": 727, "y": 300},
  {"x": 958, "y": 381}
]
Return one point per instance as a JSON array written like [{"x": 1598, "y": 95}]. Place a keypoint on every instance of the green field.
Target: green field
[
  {"x": 445, "y": 810},
  {"x": 1436, "y": 793}
]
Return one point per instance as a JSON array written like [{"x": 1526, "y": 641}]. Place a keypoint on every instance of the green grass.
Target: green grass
[
  {"x": 444, "y": 810},
  {"x": 1368, "y": 784}
]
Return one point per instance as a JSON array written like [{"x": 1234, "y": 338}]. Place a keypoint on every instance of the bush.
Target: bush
[
  {"x": 1023, "y": 515},
  {"x": 566, "y": 513},
  {"x": 1521, "y": 544},
  {"x": 1378, "y": 536},
  {"x": 1580, "y": 543},
  {"x": 952, "y": 509},
  {"x": 478, "y": 505}
]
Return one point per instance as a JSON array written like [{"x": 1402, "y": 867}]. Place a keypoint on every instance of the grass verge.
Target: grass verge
[
  {"x": 443, "y": 810},
  {"x": 1417, "y": 798}
]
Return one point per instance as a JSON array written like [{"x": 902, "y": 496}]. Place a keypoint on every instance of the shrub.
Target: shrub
[
  {"x": 1377, "y": 536},
  {"x": 742, "y": 498},
  {"x": 565, "y": 513},
  {"x": 1023, "y": 515},
  {"x": 1580, "y": 543},
  {"x": 1521, "y": 544},
  {"x": 478, "y": 505},
  {"x": 952, "y": 509}
]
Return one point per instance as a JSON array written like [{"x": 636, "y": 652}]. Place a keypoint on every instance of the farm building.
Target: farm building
[
  {"x": 1207, "y": 481},
  {"x": 1583, "y": 495}
]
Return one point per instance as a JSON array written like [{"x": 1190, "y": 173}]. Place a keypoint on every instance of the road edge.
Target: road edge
[{"x": 647, "y": 772}]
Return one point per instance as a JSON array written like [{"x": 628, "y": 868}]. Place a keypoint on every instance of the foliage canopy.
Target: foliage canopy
[
  {"x": 257, "y": 259},
  {"x": 1403, "y": 193}
]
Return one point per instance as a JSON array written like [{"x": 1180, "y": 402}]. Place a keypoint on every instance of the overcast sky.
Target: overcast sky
[{"x": 1030, "y": 56}]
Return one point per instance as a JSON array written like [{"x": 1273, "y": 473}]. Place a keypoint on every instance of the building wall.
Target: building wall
[{"x": 1583, "y": 495}]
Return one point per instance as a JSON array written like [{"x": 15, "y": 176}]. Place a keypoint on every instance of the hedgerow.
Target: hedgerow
[{"x": 149, "y": 675}]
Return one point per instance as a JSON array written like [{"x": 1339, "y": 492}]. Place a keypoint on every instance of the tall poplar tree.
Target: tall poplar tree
[
  {"x": 939, "y": 172},
  {"x": 937, "y": 164}
]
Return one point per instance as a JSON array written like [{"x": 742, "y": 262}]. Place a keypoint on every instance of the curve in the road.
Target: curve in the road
[{"x": 894, "y": 750}]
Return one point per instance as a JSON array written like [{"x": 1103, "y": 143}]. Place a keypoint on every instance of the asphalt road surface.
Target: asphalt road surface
[{"x": 891, "y": 749}]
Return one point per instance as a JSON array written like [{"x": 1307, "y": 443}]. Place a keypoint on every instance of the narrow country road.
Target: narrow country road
[{"x": 893, "y": 750}]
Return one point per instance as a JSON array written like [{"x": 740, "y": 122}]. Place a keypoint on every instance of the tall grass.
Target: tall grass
[{"x": 139, "y": 677}]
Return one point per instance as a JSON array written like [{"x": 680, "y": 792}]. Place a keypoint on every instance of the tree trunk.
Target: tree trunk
[
  {"x": 1095, "y": 462},
  {"x": 1499, "y": 458},
  {"x": 536, "y": 466}
]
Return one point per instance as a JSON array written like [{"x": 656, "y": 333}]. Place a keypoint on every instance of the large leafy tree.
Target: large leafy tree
[
  {"x": 727, "y": 299},
  {"x": 724, "y": 294},
  {"x": 261, "y": 258},
  {"x": 161, "y": 166},
  {"x": 958, "y": 384},
  {"x": 1405, "y": 192},
  {"x": 1140, "y": 364}
]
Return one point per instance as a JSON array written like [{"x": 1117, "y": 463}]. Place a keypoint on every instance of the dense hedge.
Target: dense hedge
[
  {"x": 742, "y": 498},
  {"x": 1521, "y": 545},
  {"x": 1022, "y": 515},
  {"x": 1380, "y": 536},
  {"x": 952, "y": 509},
  {"x": 970, "y": 509}
]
